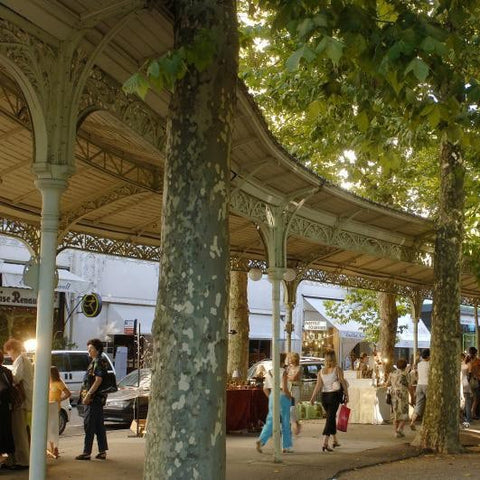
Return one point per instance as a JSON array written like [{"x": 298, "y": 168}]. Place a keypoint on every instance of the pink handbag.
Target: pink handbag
[{"x": 342, "y": 421}]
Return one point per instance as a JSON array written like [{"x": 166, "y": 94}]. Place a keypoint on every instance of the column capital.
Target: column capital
[
  {"x": 275, "y": 273},
  {"x": 48, "y": 174}
]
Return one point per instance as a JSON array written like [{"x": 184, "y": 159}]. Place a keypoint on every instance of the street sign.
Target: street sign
[{"x": 91, "y": 305}]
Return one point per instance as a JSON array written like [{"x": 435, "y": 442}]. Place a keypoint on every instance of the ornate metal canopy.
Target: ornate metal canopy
[{"x": 113, "y": 202}]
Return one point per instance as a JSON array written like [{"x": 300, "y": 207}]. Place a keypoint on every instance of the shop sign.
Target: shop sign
[
  {"x": 129, "y": 327},
  {"x": 315, "y": 325},
  {"x": 91, "y": 305},
  {"x": 20, "y": 297}
]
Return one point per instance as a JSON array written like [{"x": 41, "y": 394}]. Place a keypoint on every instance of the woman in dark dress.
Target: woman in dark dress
[{"x": 6, "y": 383}]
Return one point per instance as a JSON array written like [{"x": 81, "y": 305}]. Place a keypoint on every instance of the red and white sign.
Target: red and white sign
[{"x": 129, "y": 327}]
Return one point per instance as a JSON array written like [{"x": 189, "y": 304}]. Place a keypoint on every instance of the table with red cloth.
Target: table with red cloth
[{"x": 247, "y": 409}]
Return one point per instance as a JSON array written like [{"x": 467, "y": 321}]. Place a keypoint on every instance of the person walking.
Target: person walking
[
  {"x": 474, "y": 380},
  {"x": 330, "y": 381},
  {"x": 422, "y": 385},
  {"x": 294, "y": 377},
  {"x": 398, "y": 382},
  {"x": 466, "y": 395},
  {"x": 285, "y": 404},
  {"x": 58, "y": 391},
  {"x": 22, "y": 372},
  {"x": 94, "y": 400},
  {"x": 6, "y": 436}
]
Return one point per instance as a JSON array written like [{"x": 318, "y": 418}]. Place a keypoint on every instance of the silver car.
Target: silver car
[{"x": 310, "y": 366}]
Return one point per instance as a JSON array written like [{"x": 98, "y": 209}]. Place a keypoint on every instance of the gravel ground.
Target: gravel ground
[{"x": 425, "y": 467}]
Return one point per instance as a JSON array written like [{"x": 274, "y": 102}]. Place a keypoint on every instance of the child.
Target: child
[{"x": 58, "y": 392}]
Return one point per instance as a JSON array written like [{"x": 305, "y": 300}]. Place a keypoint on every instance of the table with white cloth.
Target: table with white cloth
[{"x": 367, "y": 403}]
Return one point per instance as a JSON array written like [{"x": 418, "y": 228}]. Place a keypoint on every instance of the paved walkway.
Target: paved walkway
[{"x": 362, "y": 446}]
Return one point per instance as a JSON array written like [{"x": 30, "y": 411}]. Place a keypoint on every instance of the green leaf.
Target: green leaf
[
  {"x": 362, "y": 121},
  {"x": 392, "y": 79},
  {"x": 454, "y": 133},
  {"x": 153, "y": 69},
  {"x": 322, "y": 45},
  {"x": 432, "y": 45},
  {"x": 419, "y": 67},
  {"x": 294, "y": 60},
  {"x": 434, "y": 116},
  {"x": 320, "y": 20},
  {"x": 386, "y": 12},
  {"x": 309, "y": 55},
  {"x": 315, "y": 109},
  {"x": 137, "y": 84},
  {"x": 334, "y": 50},
  {"x": 305, "y": 27}
]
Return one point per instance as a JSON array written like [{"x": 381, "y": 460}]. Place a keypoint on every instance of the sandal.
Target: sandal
[
  {"x": 83, "y": 456},
  {"x": 101, "y": 455}
]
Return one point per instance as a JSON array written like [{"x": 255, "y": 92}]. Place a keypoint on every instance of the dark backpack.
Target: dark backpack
[{"x": 109, "y": 384}]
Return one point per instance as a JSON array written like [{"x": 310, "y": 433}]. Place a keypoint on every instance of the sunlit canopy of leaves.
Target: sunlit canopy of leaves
[
  {"x": 361, "y": 306},
  {"x": 389, "y": 80}
]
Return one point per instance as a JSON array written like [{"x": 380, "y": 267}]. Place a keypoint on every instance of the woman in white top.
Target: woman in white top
[
  {"x": 294, "y": 377},
  {"x": 330, "y": 381}
]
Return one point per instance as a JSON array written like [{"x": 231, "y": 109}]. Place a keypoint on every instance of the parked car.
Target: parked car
[
  {"x": 65, "y": 406},
  {"x": 310, "y": 368},
  {"x": 133, "y": 393}
]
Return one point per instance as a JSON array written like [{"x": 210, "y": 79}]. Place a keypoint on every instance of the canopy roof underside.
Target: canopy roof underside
[{"x": 115, "y": 191}]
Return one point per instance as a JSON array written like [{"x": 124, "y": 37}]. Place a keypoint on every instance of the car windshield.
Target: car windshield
[{"x": 131, "y": 380}]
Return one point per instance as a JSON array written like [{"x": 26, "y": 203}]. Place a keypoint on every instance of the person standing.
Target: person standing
[
  {"x": 58, "y": 391},
  {"x": 93, "y": 401},
  {"x": 294, "y": 377},
  {"x": 22, "y": 372},
  {"x": 398, "y": 381},
  {"x": 474, "y": 379},
  {"x": 285, "y": 404},
  {"x": 465, "y": 391},
  {"x": 422, "y": 385},
  {"x": 6, "y": 384},
  {"x": 330, "y": 381}
]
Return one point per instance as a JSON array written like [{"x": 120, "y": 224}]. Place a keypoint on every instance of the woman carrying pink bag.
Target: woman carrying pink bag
[{"x": 331, "y": 382}]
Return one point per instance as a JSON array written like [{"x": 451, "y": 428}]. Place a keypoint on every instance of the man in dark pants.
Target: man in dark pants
[{"x": 93, "y": 401}]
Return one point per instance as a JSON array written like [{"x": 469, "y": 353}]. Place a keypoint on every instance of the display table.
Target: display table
[
  {"x": 367, "y": 403},
  {"x": 247, "y": 409}
]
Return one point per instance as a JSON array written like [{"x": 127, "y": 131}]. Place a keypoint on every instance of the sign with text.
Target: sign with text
[
  {"x": 129, "y": 327},
  {"x": 20, "y": 297},
  {"x": 315, "y": 325}
]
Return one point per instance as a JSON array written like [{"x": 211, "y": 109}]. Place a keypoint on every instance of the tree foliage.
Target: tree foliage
[
  {"x": 370, "y": 77},
  {"x": 361, "y": 306}
]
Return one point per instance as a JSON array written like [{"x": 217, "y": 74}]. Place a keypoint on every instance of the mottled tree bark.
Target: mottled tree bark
[
  {"x": 186, "y": 418},
  {"x": 440, "y": 431},
  {"x": 238, "y": 322},
  {"x": 388, "y": 328}
]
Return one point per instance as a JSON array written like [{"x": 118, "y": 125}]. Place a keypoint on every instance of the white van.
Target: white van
[{"x": 72, "y": 365}]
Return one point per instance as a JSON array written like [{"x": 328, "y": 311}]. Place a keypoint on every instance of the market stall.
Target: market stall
[
  {"x": 247, "y": 408},
  {"x": 367, "y": 402}
]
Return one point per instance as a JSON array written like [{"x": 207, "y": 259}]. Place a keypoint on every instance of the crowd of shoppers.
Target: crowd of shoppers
[
  {"x": 16, "y": 392},
  {"x": 18, "y": 395}
]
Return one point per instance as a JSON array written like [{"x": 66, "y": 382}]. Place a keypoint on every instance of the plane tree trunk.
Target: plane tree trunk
[
  {"x": 186, "y": 418},
  {"x": 238, "y": 325},
  {"x": 388, "y": 328},
  {"x": 440, "y": 431}
]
